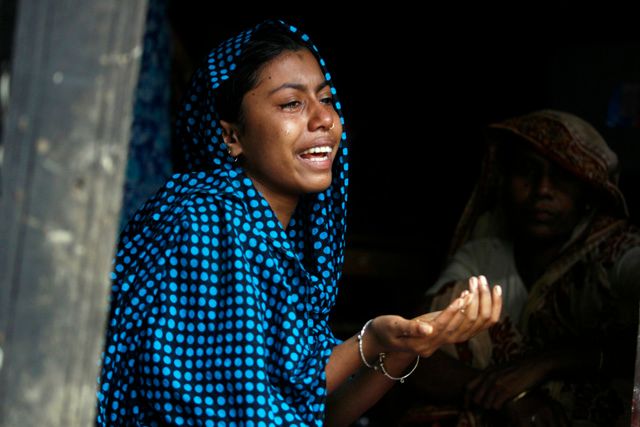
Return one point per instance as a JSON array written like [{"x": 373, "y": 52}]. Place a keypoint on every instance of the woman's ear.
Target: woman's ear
[{"x": 230, "y": 138}]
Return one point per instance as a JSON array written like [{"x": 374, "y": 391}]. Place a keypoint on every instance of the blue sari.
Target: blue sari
[{"x": 219, "y": 316}]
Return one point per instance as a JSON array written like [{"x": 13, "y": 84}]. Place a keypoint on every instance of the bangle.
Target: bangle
[
  {"x": 386, "y": 374},
  {"x": 360, "y": 336},
  {"x": 520, "y": 396}
]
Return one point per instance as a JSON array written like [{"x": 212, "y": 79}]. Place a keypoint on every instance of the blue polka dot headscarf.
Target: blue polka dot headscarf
[{"x": 218, "y": 315}]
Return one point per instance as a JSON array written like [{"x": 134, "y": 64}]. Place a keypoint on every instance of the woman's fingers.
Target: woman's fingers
[
  {"x": 453, "y": 316},
  {"x": 472, "y": 309},
  {"x": 475, "y": 309},
  {"x": 485, "y": 300},
  {"x": 439, "y": 329},
  {"x": 465, "y": 315},
  {"x": 489, "y": 307},
  {"x": 479, "y": 309},
  {"x": 496, "y": 308},
  {"x": 428, "y": 317},
  {"x": 450, "y": 313},
  {"x": 421, "y": 329}
]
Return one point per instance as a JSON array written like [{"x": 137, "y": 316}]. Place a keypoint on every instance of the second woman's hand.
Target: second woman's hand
[
  {"x": 535, "y": 409},
  {"x": 496, "y": 387}
]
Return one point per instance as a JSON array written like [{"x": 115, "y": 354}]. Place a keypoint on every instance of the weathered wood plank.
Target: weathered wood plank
[{"x": 73, "y": 77}]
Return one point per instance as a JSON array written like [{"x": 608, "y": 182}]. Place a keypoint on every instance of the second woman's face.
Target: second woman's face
[
  {"x": 291, "y": 131},
  {"x": 545, "y": 199}
]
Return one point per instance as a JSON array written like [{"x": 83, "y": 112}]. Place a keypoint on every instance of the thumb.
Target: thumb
[{"x": 423, "y": 328}]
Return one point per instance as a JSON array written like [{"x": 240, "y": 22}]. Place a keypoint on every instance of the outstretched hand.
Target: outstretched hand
[{"x": 475, "y": 309}]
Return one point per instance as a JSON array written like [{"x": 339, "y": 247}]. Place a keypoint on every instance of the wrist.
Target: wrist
[
  {"x": 368, "y": 346},
  {"x": 371, "y": 340},
  {"x": 372, "y": 346},
  {"x": 384, "y": 363}
]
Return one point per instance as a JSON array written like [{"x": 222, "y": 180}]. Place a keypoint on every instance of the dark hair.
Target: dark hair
[{"x": 265, "y": 45}]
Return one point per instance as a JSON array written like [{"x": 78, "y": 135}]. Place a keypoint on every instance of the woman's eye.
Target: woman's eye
[
  {"x": 327, "y": 100},
  {"x": 290, "y": 105}
]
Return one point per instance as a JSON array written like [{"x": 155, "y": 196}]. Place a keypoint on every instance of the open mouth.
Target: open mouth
[{"x": 317, "y": 154}]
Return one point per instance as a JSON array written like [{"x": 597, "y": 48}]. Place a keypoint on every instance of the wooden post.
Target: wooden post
[{"x": 75, "y": 65}]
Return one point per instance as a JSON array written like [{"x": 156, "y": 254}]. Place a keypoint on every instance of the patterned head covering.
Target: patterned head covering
[
  {"x": 560, "y": 137},
  {"x": 575, "y": 145},
  {"x": 219, "y": 315}
]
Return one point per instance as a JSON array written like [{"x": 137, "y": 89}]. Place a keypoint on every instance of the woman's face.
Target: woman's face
[
  {"x": 545, "y": 200},
  {"x": 290, "y": 130}
]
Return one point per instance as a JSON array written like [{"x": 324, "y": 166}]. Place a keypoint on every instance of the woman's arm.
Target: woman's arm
[
  {"x": 494, "y": 388},
  {"x": 404, "y": 340},
  {"x": 349, "y": 399}
]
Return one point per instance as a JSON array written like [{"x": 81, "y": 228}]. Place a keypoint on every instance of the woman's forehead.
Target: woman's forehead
[{"x": 293, "y": 68}]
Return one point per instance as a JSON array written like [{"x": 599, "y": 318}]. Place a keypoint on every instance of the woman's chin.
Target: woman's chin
[
  {"x": 544, "y": 233},
  {"x": 317, "y": 184}
]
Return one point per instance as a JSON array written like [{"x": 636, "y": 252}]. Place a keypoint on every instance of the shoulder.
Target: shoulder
[
  {"x": 619, "y": 245},
  {"x": 620, "y": 256},
  {"x": 187, "y": 197},
  {"x": 188, "y": 205}
]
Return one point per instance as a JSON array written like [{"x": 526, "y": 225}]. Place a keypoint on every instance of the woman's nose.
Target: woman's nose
[
  {"x": 321, "y": 117},
  {"x": 545, "y": 184}
]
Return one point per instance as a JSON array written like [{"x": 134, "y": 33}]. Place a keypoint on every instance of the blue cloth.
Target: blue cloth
[
  {"x": 218, "y": 314},
  {"x": 149, "y": 159}
]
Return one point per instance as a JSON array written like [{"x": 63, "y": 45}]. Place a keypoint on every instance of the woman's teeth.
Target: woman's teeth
[
  {"x": 317, "y": 150},
  {"x": 316, "y": 154}
]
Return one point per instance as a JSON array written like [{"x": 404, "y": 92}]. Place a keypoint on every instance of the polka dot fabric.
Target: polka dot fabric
[{"x": 218, "y": 315}]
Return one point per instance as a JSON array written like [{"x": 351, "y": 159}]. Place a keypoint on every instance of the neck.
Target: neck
[{"x": 283, "y": 205}]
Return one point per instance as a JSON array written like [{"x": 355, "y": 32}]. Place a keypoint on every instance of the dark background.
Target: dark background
[
  {"x": 418, "y": 84},
  {"x": 418, "y": 89}
]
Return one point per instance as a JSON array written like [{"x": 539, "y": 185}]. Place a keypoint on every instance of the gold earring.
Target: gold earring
[
  {"x": 332, "y": 126},
  {"x": 235, "y": 159}
]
